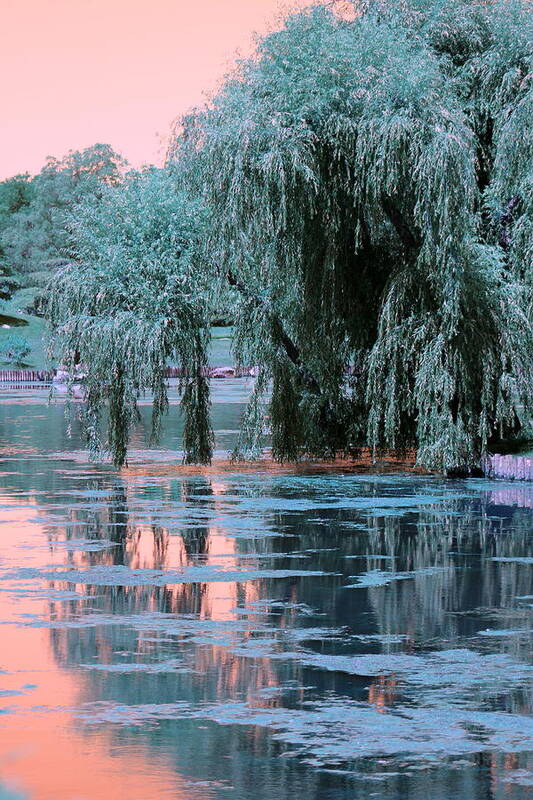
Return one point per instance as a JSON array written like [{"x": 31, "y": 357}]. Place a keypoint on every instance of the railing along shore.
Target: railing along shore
[
  {"x": 512, "y": 467},
  {"x": 26, "y": 375},
  {"x": 47, "y": 376}
]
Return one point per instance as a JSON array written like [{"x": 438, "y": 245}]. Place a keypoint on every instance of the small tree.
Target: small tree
[
  {"x": 134, "y": 298},
  {"x": 14, "y": 348}
]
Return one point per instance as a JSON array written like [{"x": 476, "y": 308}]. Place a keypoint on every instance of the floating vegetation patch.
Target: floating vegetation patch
[
  {"x": 83, "y": 545},
  {"x": 341, "y": 731},
  {"x": 172, "y": 666},
  {"x": 377, "y": 577},
  {"x": 124, "y": 576}
]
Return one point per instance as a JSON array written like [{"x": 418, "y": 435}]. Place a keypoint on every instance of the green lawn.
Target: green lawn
[{"x": 35, "y": 334}]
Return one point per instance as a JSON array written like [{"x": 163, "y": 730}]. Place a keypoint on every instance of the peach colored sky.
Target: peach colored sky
[{"x": 76, "y": 72}]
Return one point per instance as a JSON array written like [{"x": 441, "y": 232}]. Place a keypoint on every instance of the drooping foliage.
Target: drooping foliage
[
  {"x": 363, "y": 190},
  {"x": 369, "y": 181},
  {"x": 132, "y": 299}
]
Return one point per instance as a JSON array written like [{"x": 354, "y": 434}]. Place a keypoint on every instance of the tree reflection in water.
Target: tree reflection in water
[
  {"x": 214, "y": 678},
  {"x": 441, "y": 589}
]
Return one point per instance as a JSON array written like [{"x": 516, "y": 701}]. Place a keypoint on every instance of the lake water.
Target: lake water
[{"x": 255, "y": 636}]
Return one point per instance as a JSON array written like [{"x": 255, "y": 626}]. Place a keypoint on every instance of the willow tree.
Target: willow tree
[
  {"x": 133, "y": 298},
  {"x": 369, "y": 184}
]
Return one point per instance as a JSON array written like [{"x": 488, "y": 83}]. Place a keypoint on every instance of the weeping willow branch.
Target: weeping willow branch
[
  {"x": 278, "y": 333},
  {"x": 350, "y": 169},
  {"x": 410, "y": 240},
  {"x": 506, "y": 221}
]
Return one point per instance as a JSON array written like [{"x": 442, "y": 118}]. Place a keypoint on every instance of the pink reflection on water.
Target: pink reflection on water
[{"x": 43, "y": 752}]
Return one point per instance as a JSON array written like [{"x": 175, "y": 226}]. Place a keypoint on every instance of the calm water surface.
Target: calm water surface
[{"x": 255, "y": 636}]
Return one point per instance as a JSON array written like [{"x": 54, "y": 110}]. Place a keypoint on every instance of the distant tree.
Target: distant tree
[
  {"x": 32, "y": 235},
  {"x": 14, "y": 348},
  {"x": 134, "y": 297},
  {"x": 15, "y": 194}
]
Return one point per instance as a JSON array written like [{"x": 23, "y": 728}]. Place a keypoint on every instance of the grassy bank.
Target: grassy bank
[{"x": 35, "y": 329}]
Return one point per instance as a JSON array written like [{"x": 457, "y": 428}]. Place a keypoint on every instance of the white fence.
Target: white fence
[{"x": 517, "y": 468}]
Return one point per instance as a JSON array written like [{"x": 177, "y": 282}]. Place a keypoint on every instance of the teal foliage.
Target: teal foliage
[
  {"x": 15, "y": 194},
  {"x": 369, "y": 179},
  {"x": 134, "y": 297},
  {"x": 14, "y": 348},
  {"x": 33, "y": 235},
  {"x": 363, "y": 202}
]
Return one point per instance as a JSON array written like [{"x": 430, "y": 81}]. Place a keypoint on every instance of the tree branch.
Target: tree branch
[
  {"x": 407, "y": 237},
  {"x": 506, "y": 220},
  {"x": 292, "y": 351}
]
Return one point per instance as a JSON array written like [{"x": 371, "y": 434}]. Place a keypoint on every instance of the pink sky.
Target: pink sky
[{"x": 76, "y": 72}]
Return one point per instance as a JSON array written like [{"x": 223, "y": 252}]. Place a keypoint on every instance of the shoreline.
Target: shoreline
[{"x": 362, "y": 464}]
